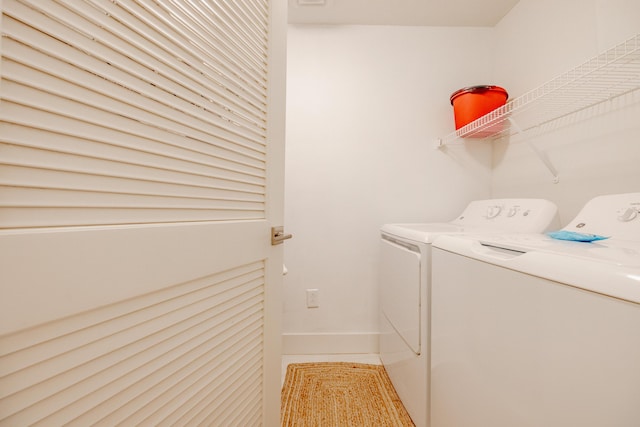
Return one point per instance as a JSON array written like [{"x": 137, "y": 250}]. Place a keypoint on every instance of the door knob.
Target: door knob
[{"x": 278, "y": 236}]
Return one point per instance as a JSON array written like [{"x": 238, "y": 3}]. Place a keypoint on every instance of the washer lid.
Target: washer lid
[
  {"x": 610, "y": 267},
  {"x": 617, "y": 252}
]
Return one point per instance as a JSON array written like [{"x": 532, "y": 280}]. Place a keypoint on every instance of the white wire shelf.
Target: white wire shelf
[{"x": 609, "y": 75}]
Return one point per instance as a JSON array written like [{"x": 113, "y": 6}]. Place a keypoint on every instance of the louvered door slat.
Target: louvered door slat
[
  {"x": 252, "y": 25},
  {"x": 105, "y": 95},
  {"x": 167, "y": 40},
  {"x": 211, "y": 40},
  {"x": 55, "y": 338},
  {"x": 122, "y": 399},
  {"x": 222, "y": 398},
  {"x": 120, "y": 53},
  {"x": 19, "y": 197},
  {"x": 39, "y": 91},
  {"x": 237, "y": 30},
  {"x": 168, "y": 412},
  {"x": 229, "y": 48},
  {"x": 79, "y": 131},
  {"x": 187, "y": 386},
  {"x": 90, "y": 356},
  {"x": 130, "y": 365},
  {"x": 130, "y": 163},
  {"x": 247, "y": 413},
  {"x": 20, "y": 176},
  {"x": 133, "y": 163},
  {"x": 165, "y": 104}
]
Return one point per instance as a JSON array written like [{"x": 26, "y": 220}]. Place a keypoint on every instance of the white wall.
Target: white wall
[
  {"x": 598, "y": 152},
  {"x": 364, "y": 106}
]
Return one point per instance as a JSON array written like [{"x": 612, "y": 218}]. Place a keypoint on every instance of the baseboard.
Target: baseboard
[{"x": 330, "y": 343}]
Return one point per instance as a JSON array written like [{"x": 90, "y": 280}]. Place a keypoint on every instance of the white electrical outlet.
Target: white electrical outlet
[
  {"x": 311, "y": 2},
  {"x": 312, "y": 298}
]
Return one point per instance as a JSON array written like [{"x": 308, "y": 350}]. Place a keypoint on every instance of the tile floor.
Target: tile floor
[{"x": 373, "y": 359}]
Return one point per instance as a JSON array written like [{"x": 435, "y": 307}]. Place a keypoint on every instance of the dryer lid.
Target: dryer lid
[
  {"x": 491, "y": 215},
  {"x": 420, "y": 233}
]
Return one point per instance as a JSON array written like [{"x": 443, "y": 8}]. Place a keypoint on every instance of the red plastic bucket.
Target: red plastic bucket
[{"x": 473, "y": 102}]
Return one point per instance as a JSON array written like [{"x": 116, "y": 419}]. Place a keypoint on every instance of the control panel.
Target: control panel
[
  {"x": 513, "y": 215},
  {"x": 615, "y": 215},
  {"x": 627, "y": 214}
]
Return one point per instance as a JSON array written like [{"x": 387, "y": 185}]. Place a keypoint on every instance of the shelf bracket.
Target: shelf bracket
[{"x": 541, "y": 155}]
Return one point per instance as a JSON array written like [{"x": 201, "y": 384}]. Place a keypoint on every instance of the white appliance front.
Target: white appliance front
[
  {"x": 532, "y": 331},
  {"x": 402, "y": 264},
  {"x": 405, "y": 287}
]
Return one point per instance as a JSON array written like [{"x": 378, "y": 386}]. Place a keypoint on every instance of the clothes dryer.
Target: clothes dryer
[
  {"x": 405, "y": 286},
  {"x": 533, "y": 331}
]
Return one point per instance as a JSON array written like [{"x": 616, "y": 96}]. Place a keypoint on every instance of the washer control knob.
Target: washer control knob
[
  {"x": 493, "y": 211},
  {"x": 512, "y": 211},
  {"x": 627, "y": 214}
]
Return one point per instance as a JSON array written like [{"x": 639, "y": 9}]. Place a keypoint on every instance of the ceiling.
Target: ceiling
[{"x": 466, "y": 13}]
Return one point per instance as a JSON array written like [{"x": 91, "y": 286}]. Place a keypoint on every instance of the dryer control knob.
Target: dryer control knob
[
  {"x": 627, "y": 214},
  {"x": 512, "y": 211},
  {"x": 493, "y": 211}
]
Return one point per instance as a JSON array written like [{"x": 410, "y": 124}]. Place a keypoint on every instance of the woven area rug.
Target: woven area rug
[{"x": 340, "y": 394}]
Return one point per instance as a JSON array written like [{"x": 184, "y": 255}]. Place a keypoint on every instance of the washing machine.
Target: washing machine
[
  {"x": 529, "y": 330},
  {"x": 405, "y": 286}
]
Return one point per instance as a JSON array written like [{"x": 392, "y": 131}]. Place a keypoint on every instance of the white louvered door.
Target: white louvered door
[{"x": 141, "y": 170}]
